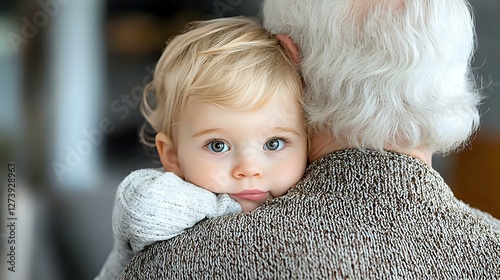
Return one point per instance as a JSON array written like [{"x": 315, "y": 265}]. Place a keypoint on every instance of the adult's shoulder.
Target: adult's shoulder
[
  {"x": 270, "y": 242},
  {"x": 164, "y": 259},
  {"x": 218, "y": 247}
]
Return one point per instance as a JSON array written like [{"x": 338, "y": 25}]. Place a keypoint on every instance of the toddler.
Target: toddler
[{"x": 225, "y": 102}]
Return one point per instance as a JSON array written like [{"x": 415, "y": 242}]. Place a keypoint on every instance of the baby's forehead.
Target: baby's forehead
[
  {"x": 273, "y": 113},
  {"x": 248, "y": 95}
]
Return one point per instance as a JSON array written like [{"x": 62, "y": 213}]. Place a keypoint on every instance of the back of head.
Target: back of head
[
  {"x": 384, "y": 73},
  {"x": 233, "y": 63}
]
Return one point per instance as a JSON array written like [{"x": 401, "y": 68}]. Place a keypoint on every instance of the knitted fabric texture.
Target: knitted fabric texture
[
  {"x": 356, "y": 215},
  {"x": 152, "y": 206}
]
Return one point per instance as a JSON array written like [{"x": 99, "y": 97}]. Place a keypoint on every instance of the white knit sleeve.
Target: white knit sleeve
[{"x": 152, "y": 206}]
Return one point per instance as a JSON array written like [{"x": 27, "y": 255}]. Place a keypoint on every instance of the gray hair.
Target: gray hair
[{"x": 384, "y": 73}]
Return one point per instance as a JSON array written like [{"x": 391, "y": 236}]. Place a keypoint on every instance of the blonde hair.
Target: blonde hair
[
  {"x": 233, "y": 63},
  {"x": 384, "y": 73}
]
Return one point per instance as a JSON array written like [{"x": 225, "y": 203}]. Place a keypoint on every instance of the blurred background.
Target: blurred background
[{"x": 72, "y": 74}]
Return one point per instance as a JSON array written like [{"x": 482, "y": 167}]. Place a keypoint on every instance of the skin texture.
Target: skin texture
[
  {"x": 323, "y": 144},
  {"x": 261, "y": 152}
]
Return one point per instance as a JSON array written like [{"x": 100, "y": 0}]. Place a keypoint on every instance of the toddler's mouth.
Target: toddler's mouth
[{"x": 250, "y": 195}]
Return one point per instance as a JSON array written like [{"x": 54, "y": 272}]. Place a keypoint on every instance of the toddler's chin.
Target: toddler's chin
[{"x": 247, "y": 206}]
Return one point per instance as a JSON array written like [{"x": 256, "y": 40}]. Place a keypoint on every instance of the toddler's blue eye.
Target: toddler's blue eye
[
  {"x": 274, "y": 144},
  {"x": 217, "y": 147}
]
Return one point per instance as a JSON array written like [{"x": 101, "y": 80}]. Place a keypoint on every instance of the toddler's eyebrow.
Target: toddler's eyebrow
[
  {"x": 275, "y": 129},
  {"x": 286, "y": 129},
  {"x": 206, "y": 131}
]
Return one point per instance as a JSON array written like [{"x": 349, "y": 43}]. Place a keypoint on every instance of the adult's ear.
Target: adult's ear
[
  {"x": 290, "y": 47},
  {"x": 168, "y": 154}
]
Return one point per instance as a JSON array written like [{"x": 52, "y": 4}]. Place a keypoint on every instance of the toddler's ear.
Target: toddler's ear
[{"x": 168, "y": 154}]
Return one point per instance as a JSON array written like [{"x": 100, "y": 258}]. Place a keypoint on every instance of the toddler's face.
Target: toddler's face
[{"x": 251, "y": 155}]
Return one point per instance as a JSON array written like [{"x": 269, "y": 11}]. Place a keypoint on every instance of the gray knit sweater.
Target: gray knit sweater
[{"x": 356, "y": 215}]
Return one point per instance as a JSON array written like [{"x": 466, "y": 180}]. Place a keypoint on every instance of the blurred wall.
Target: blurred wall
[{"x": 474, "y": 174}]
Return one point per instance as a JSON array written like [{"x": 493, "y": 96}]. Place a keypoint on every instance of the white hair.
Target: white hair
[{"x": 384, "y": 73}]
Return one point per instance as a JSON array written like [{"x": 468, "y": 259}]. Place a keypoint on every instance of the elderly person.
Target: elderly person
[{"x": 387, "y": 85}]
